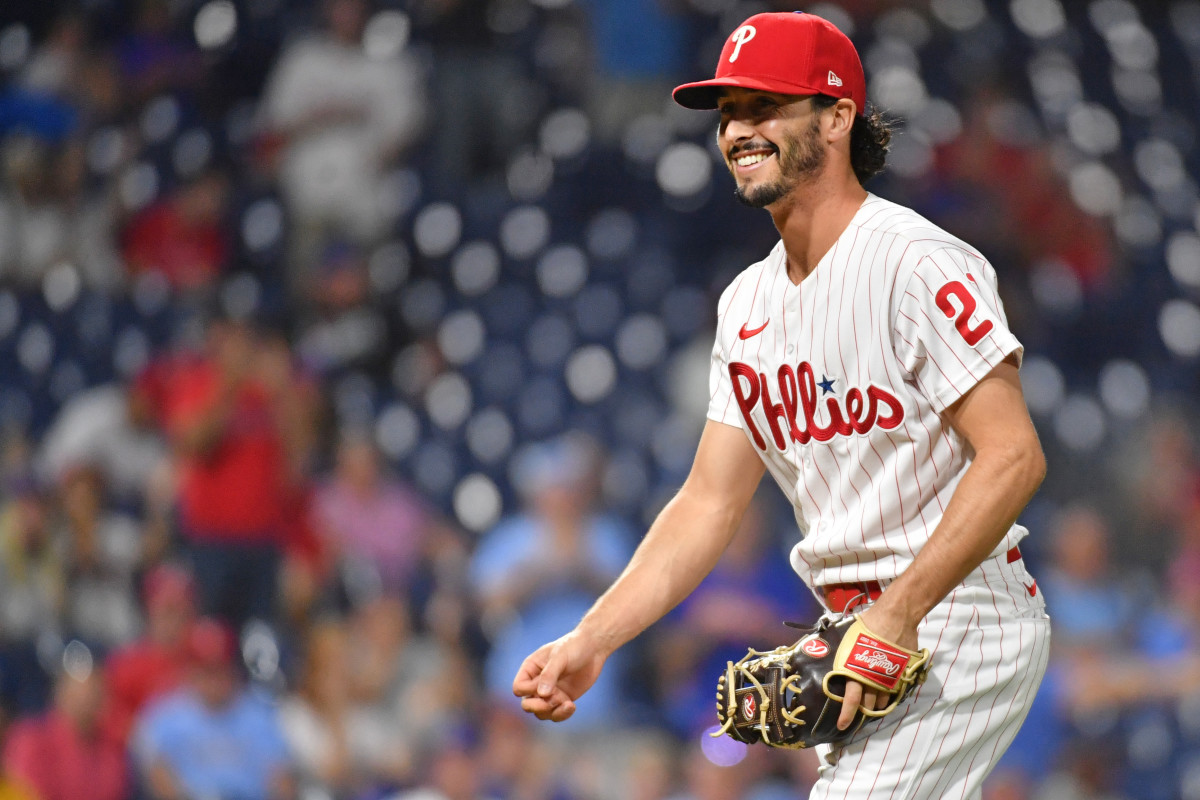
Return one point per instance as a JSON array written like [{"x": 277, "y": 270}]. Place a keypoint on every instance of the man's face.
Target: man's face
[
  {"x": 216, "y": 684},
  {"x": 771, "y": 143}
]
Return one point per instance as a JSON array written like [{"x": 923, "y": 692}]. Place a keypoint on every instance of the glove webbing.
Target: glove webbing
[{"x": 764, "y": 700}]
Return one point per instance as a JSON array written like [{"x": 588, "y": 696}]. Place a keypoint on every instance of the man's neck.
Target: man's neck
[{"x": 812, "y": 218}]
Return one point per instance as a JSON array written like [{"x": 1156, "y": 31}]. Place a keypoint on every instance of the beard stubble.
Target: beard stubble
[{"x": 800, "y": 158}]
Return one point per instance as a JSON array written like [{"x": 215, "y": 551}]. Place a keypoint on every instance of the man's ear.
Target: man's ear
[{"x": 840, "y": 120}]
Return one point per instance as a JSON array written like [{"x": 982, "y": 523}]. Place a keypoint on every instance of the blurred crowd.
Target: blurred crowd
[{"x": 347, "y": 347}]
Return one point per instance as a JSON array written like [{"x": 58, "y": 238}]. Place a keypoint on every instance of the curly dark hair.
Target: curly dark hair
[{"x": 869, "y": 139}]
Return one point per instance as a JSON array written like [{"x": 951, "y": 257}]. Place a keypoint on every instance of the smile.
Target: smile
[{"x": 750, "y": 161}]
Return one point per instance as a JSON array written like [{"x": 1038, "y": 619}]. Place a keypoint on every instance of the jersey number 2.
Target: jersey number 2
[{"x": 963, "y": 322}]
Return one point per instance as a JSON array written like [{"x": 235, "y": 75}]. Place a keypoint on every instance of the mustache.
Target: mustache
[{"x": 738, "y": 149}]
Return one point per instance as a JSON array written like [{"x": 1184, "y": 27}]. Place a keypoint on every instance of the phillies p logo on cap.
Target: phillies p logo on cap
[{"x": 739, "y": 38}]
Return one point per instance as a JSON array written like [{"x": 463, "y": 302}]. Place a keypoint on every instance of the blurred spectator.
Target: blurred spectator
[
  {"x": 110, "y": 428},
  {"x": 155, "y": 57},
  {"x": 32, "y": 578},
  {"x": 12, "y": 787},
  {"x": 342, "y": 747},
  {"x": 486, "y": 107},
  {"x": 1092, "y": 613},
  {"x": 449, "y": 772},
  {"x": 1090, "y": 605},
  {"x": 100, "y": 96},
  {"x": 49, "y": 220},
  {"x": 734, "y": 777},
  {"x": 746, "y": 598},
  {"x": 242, "y": 424},
  {"x": 63, "y": 754},
  {"x": 511, "y": 760},
  {"x": 341, "y": 116},
  {"x": 56, "y": 65},
  {"x": 346, "y": 327},
  {"x": 156, "y": 663},
  {"x": 103, "y": 101},
  {"x": 103, "y": 549},
  {"x": 640, "y": 48},
  {"x": 538, "y": 571},
  {"x": 1031, "y": 210},
  {"x": 371, "y": 520},
  {"x": 214, "y": 737},
  {"x": 398, "y": 674},
  {"x": 1162, "y": 476},
  {"x": 182, "y": 238}
]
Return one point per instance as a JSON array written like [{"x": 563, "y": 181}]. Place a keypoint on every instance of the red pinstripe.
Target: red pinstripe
[
  {"x": 935, "y": 650},
  {"x": 995, "y": 695},
  {"x": 966, "y": 630},
  {"x": 893, "y": 248},
  {"x": 828, "y": 280},
  {"x": 885, "y": 348},
  {"x": 721, "y": 320},
  {"x": 916, "y": 697},
  {"x": 821, "y": 277},
  {"x": 762, "y": 269},
  {"x": 1030, "y": 687},
  {"x": 962, "y": 273},
  {"x": 933, "y": 360},
  {"x": 1024, "y": 690}
]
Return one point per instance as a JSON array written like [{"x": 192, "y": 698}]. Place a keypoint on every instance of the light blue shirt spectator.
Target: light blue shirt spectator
[
  {"x": 551, "y": 603},
  {"x": 233, "y": 752}
]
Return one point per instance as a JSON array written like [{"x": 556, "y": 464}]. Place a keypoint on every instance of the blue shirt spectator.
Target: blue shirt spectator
[
  {"x": 213, "y": 738},
  {"x": 538, "y": 572},
  {"x": 232, "y": 752}
]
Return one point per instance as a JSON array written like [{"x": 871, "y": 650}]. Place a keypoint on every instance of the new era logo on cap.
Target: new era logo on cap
[{"x": 834, "y": 80}]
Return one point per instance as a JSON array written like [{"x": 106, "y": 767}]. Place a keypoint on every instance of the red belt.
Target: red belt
[{"x": 841, "y": 596}]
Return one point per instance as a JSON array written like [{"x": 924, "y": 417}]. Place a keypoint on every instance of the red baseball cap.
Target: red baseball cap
[{"x": 788, "y": 52}]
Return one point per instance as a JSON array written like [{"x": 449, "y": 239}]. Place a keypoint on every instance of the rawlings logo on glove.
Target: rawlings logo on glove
[{"x": 791, "y": 696}]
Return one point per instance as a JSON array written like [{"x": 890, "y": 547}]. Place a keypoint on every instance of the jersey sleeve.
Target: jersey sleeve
[
  {"x": 949, "y": 328},
  {"x": 721, "y": 407}
]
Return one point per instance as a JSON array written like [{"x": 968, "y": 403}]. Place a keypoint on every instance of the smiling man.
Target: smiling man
[{"x": 866, "y": 363}]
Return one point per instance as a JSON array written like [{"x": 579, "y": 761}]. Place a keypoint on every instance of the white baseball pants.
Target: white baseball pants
[{"x": 990, "y": 640}]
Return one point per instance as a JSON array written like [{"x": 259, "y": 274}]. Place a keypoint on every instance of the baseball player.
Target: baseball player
[{"x": 866, "y": 363}]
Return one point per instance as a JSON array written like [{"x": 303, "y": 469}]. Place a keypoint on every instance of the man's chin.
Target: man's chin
[{"x": 759, "y": 196}]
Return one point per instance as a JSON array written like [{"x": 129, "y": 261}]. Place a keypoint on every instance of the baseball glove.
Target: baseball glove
[{"x": 792, "y": 696}]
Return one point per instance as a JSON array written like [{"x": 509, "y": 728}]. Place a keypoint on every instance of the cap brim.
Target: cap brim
[{"x": 703, "y": 95}]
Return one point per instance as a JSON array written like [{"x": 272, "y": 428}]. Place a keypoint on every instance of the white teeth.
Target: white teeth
[{"x": 746, "y": 161}]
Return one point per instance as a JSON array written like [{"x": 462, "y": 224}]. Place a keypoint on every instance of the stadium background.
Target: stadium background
[{"x": 459, "y": 265}]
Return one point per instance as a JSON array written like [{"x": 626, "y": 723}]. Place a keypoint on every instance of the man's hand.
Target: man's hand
[
  {"x": 557, "y": 674},
  {"x": 884, "y": 624}
]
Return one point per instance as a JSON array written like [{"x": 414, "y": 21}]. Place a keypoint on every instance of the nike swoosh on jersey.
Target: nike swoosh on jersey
[
  {"x": 1031, "y": 588},
  {"x": 746, "y": 332}
]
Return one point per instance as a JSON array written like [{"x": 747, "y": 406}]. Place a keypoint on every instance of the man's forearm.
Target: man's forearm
[
  {"x": 994, "y": 490},
  {"x": 682, "y": 546}
]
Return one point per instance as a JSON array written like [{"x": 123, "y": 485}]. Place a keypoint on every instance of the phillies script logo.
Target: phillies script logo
[{"x": 796, "y": 411}]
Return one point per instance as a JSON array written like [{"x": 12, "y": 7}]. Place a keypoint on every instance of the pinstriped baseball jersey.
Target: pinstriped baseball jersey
[{"x": 839, "y": 382}]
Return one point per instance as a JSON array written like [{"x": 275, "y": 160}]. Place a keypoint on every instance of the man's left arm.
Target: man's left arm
[{"x": 1007, "y": 468}]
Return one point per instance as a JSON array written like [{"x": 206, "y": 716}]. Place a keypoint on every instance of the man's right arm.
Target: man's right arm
[{"x": 682, "y": 546}]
